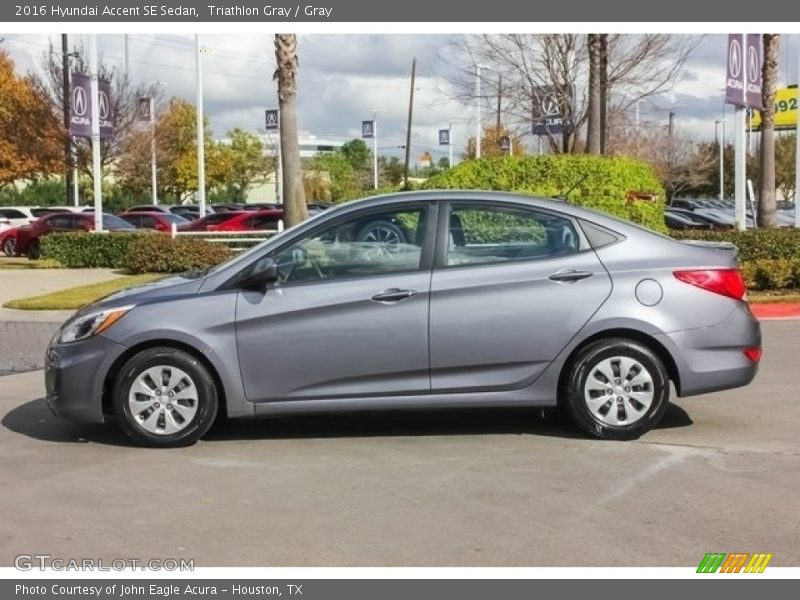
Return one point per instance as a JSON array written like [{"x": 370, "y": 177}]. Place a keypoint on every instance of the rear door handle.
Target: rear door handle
[
  {"x": 393, "y": 295},
  {"x": 569, "y": 276}
]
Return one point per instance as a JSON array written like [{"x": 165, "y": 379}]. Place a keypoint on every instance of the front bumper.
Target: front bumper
[
  {"x": 74, "y": 375},
  {"x": 710, "y": 359}
]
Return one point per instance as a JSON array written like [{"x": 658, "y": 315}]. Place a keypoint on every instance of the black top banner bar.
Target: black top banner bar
[{"x": 441, "y": 11}]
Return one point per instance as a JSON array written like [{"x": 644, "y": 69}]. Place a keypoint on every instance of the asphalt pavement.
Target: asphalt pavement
[{"x": 445, "y": 488}]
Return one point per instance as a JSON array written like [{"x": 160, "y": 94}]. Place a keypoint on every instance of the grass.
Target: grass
[
  {"x": 76, "y": 297},
  {"x": 25, "y": 263}
]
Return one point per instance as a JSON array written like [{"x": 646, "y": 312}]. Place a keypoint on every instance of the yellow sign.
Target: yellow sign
[{"x": 785, "y": 110}]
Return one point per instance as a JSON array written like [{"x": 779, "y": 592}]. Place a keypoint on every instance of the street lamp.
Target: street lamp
[
  {"x": 152, "y": 116},
  {"x": 201, "y": 158},
  {"x": 375, "y": 145}
]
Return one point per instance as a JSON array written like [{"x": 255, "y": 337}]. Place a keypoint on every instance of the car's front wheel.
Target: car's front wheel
[
  {"x": 616, "y": 389},
  {"x": 10, "y": 246},
  {"x": 164, "y": 397}
]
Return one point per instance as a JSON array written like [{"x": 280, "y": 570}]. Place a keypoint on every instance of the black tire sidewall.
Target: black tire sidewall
[
  {"x": 34, "y": 250},
  {"x": 580, "y": 370},
  {"x": 204, "y": 382},
  {"x": 9, "y": 246}
]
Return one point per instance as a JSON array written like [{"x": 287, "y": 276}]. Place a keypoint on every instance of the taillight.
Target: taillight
[
  {"x": 753, "y": 353},
  {"x": 727, "y": 282}
]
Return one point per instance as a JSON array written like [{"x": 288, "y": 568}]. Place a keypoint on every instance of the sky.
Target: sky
[{"x": 343, "y": 78}]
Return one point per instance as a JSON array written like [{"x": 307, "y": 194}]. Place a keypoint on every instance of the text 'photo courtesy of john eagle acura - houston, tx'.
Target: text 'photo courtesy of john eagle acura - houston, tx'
[{"x": 433, "y": 300}]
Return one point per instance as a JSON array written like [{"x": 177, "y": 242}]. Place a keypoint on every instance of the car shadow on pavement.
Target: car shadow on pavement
[{"x": 34, "y": 420}]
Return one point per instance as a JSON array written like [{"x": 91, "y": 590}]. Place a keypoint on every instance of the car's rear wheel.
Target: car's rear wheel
[
  {"x": 616, "y": 389},
  {"x": 34, "y": 250},
  {"x": 164, "y": 397},
  {"x": 10, "y": 246}
]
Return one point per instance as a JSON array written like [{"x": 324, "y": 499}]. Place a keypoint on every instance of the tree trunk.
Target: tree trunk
[
  {"x": 294, "y": 198},
  {"x": 595, "y": 97},
  {"x": 603, "y": 44},
  {"x": 766, "y": 199}
]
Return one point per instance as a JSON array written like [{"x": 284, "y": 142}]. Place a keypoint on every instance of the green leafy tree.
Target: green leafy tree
[{"x": 250, "y": 164}]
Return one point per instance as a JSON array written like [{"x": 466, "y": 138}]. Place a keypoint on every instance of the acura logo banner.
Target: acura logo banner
[{"x": 80, "y": 120}]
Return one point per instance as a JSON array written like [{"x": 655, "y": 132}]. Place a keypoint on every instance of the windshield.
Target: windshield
[{"x": 112, "y": 222}]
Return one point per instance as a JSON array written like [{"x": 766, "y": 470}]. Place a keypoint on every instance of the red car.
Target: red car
[
  {"x": 28, "y": 235},
  {"x": 8, "y": 241},
  {"x": 240, "y": 220},
  {"x": 160, "y": 221}
]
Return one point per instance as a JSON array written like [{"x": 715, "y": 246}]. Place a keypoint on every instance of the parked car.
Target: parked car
[
  {"x": 147, "y": 208},
  {"x": 158, "y": 221},
  {"x": 28, "y": 236},
  {"x": 470, "y": 299},
  {"x": 675, "y": 220},
  {"x": 189, "y": 211},
  {"x": 14, "y": 217},
  {"x": 711, "y": 218},
  {"x": 8, "y": 241},
  {"x": 228, "y": 206},
  {"x": 236, "y": 221}
]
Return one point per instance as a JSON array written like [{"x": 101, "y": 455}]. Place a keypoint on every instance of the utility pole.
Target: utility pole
[
  {"x": 127, "y": 57},
  {"x": 671, "y": 131},
  {"x": 201, "y": 159},
  {"x": 499, "y": 99},
  {"x": 66, "y": 106},
  {"x": 410, "y": 116}
]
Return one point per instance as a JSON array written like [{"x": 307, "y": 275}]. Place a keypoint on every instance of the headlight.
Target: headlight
[{"x": 91, "y": 324}]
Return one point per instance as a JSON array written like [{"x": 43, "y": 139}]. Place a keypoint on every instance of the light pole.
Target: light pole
[
  {"x": 719, "y": 133},
  {"x": 95, "y": 104},
  {"x": 450, "y": 146},
  {"x": 152, "y": 114},
  {"x": 375, "y": 145},
  {"x": 201, "y": 159}
]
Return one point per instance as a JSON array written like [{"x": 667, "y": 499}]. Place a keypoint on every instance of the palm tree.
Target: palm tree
[
  {"x": 294, "y": 198},
  {"x": 766, "y": 200}
]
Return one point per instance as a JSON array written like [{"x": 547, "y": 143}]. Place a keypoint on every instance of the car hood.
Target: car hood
[{"x": 161, "y": 289}]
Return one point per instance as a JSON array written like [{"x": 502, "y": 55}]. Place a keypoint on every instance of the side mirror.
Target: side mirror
[{"x": 263, "y": 272}]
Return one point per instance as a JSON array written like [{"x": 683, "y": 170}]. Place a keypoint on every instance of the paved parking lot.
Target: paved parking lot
[{"x": 501, "y": 488}]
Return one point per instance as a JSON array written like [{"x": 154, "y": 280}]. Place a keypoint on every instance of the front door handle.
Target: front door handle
[
  {"x": 569, "y": 276},
  {"x": 393, "y": 295}
]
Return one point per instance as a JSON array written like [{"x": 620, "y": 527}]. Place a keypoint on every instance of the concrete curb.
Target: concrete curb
[{"x": 777, "y": 310}]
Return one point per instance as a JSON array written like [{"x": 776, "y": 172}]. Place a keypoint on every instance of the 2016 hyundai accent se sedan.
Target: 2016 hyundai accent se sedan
[{"x": 421, "y": 300}]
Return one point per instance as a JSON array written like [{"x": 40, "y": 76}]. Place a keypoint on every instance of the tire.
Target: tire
[
  {"x": 610, "y": 409},
  {"x": 381, "y": 232},
  {"x": 34, "y": 250},
  {"x": 10, "y": 246},
  {"x": 139, "y": 403}
]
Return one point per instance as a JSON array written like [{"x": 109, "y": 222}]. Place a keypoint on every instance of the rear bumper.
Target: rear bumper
[
  {"x": 710, "y": 359},
  {"x": 74, "y": 375}
]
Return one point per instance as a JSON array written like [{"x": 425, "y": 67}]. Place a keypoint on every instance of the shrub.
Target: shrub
[
  {"x": 778, "y": 274},
  {"x": 599, "y": 182},
  {"x": 82, "y": 250},
  {"x": 754, "y": 244},
  {"x": 162, "y": 254}
]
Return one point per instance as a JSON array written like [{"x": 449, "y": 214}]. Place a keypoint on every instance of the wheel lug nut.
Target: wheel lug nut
[
  {"x": 169, "y": 406},
  {"x": 157, "y": 404},
  {"x": 171, "y": 394},
  {"x": 627, "y": 389}
]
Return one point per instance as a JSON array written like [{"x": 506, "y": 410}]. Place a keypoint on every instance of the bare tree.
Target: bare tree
[
  {"x": 639, "y": 66},
  {"x": 124, "y": 104},
  {"x": 294, "y": 199},
  {"x": 766, "y": 199}
]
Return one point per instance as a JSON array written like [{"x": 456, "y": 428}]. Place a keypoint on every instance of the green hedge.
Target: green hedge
[
  {"x": 600, "y": 182},
  {"x": 145, "y": 252},
  {"x": 754, "y": 244},
  {"x": 89, "y": 250},
  {"x": 776, "y": 274},
  {"x": 162, "y": 254}
]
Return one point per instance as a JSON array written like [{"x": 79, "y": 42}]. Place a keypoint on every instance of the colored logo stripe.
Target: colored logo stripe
[
  {"x": 734, "y": 562},
  {"x": 758, "y": 563}
]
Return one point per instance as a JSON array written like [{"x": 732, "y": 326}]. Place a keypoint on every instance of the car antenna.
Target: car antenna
[{"x": 565, "y": 195}]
